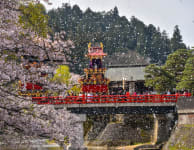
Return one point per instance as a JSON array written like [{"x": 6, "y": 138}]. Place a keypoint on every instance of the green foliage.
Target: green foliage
[
  {"x": 75, "y": 89},
  {"x": 158, "y": 78},
  {"x": 175, "y": 63},
  {"x": 187, "y": 81},
  {"x": 62, "y": 75},
  {"x": 33, "y": 16},
  {"x": 177, "y": 72}
]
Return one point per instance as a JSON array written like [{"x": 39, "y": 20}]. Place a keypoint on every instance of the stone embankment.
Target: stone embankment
[
  {"x": 123, "y": 130},
  {"x": 182, "y": 137},
  {"x": 175, "y": 131}
]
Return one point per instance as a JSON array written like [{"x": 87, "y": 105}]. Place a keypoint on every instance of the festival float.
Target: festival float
[{"x": 94, "y": 81}]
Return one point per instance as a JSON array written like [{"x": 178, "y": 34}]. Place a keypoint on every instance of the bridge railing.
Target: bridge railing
[{"x": 57, "y": 100}]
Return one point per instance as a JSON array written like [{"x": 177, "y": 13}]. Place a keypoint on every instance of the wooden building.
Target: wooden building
[
  {"x": 126, "y": 73},
  {"x": 126, "y": 78}
]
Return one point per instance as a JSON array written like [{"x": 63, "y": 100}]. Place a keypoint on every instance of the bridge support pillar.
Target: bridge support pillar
[
  {"x": 165, "y": 125},
  {"x": 78, "y": 143}
]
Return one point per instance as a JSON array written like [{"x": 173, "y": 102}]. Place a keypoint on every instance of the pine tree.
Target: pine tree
[
  {"x": 115, "y": 11},
  {"x": 149, "y": 48},
  {"x": 158, "y": 78},
  {"x": 175, "y": 64},
  {"x": 187, "y": 81},
  {"x": 165, "y": 47},
  {"x": 176, "y": 40}
]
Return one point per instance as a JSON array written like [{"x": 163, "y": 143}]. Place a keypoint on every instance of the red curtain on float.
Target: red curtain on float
[
  {"x": 31, "y": 86},
  {"x": 95, "y": 88}
]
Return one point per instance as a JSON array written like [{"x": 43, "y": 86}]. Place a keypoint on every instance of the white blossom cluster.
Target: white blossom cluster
[{"x": 19, "y": 118}]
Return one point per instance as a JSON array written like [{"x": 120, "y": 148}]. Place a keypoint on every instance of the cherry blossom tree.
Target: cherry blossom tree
[{"x": 20, "y": 119}]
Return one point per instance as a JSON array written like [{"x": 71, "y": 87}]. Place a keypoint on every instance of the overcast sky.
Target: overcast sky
[{"x": 163, "y": 13}]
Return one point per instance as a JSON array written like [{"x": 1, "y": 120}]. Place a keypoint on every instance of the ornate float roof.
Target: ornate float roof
[{"x": 95, "y": 50}]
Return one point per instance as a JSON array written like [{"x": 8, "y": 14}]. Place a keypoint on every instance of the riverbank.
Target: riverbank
[{"x": 182, "y": 138}]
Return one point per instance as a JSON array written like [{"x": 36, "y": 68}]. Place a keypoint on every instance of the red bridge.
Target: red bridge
[
  {"x": 58, "y": 100},
  {"x": 113, "y": 103}
]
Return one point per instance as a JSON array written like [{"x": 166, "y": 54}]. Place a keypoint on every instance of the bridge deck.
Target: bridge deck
[
  {"x": 106, "y": 99},
  {"x": 108, "y": 104}
]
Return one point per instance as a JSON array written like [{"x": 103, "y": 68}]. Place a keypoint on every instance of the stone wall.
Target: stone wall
[
  {"x": 183, "y": 135},
  {"x": 185, "y": 119},
  {"x": 185, "y": 103},
  {"x": 121, "y": 130},
  {"x": 185, "y": 109}
]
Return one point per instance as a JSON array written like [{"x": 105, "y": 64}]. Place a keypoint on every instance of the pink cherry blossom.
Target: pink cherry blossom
[{"x": 20, "y": 119}]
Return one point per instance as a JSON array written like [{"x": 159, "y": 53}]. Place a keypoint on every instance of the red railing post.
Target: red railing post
[{"x": 84, "y": 99}]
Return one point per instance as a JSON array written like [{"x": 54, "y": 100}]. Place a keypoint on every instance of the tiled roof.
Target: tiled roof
[{"x": 123, "y": 59}]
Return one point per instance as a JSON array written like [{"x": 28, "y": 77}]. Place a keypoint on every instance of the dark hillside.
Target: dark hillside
[{"x": 117, "y": 33}]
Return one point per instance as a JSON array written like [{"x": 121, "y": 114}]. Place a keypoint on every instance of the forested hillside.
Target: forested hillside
[{"x": 117, "y": 33}]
